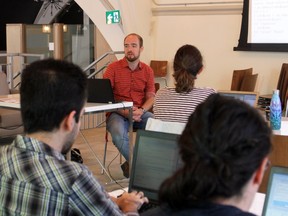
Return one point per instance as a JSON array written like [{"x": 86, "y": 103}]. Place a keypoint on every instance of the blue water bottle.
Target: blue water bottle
[{"x": 275, "y": 111}]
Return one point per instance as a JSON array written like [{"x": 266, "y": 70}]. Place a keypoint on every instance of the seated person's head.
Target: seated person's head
[
  {"x": 188, "y": 63},
  {"x": 50, "y": 90},
  {"x": 223, "y": 146}
]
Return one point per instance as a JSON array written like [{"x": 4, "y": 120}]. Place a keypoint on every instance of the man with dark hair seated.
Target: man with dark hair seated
[
  {"x": 35, "y": 178},
  {"x": 224, "y": 148}
]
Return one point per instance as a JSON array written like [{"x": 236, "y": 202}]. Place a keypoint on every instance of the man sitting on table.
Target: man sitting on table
[{"x": 35, "y": 177}]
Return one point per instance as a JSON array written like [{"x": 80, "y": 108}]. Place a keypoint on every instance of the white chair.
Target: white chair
[{"x": 164, "y": 126}]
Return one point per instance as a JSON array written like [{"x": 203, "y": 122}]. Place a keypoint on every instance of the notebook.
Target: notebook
[
  {"x": 248, "y": 97},
  {"x": 276, "y": 199},
  {"x": 155, "y": 158},
  {"x": 100, "y": 91}
]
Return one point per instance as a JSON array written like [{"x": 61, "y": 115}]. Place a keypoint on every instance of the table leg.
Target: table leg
[
  {"x": 98, "y": 160},
  {"x": 131, "y": 147}
]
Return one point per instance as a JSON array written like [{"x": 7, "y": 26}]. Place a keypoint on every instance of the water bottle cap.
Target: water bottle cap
[{"x": 276, "y": 91}]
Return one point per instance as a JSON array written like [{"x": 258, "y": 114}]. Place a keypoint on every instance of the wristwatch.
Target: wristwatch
[{"x": 143, "y": 109}]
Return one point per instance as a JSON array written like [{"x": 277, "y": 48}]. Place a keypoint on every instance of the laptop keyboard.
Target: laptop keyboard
[{"x": 147, "y": 206}]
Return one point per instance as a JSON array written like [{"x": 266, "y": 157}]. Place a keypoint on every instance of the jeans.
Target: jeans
[{"x": 118, "y": 127}]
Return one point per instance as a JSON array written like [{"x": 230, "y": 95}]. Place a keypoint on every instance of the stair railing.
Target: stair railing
[{"x": 92, "y": 65}]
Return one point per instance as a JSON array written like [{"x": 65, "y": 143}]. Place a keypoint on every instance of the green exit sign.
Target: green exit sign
[{"x": 112, "y": 16}]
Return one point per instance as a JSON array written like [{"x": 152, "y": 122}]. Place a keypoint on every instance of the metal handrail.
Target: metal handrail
[
  {"x": 98, "y": 71},
  {"x": 100, "y": 58},
  {"x": 9, "y": 64},
  {"x": 41, "y": 56}
]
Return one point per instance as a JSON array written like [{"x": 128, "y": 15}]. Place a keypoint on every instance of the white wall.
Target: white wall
[{"x": 214, "y": 34}]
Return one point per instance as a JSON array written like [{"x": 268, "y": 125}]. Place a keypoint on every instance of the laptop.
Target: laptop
[
  {"x": 249, "y": 97},
  {"x": 276, "y": 199},
  {"x": 155, "y": 158},
  {"x": 100, "y": 91}
]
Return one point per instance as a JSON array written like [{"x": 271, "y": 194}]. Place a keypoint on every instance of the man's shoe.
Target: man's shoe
[{"x": 125, "y": 169}]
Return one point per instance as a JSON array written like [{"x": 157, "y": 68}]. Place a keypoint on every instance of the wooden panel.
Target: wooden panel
[
  {"x": 237, "y": 78},
  {"x": 249, "y": 82},
  {"x": 159, "y": 68},
  {"x": 278, "y": 157},
  {"x": 15, "y": 34},
  {"x": 58, "y": 40},
  {"x": 283, "y": 84}
]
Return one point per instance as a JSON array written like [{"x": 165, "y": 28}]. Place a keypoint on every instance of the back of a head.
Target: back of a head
[
  {"x": 51, "y": 89},
  {"x": 222, "y": 145},
  {"x": 188, "y": 61}
]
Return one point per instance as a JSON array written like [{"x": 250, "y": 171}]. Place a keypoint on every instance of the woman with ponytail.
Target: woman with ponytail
[{"x": 176, "y": 104}]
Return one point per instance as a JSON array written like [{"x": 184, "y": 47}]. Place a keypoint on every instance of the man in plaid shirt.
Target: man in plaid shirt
[{"x": 35, "y": 178}]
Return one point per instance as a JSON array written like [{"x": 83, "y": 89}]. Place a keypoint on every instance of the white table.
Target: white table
[
  {"x": 284, "y": 127},
  {"x": 10, "y": 101},
  {"x": 13, "y": 101}
]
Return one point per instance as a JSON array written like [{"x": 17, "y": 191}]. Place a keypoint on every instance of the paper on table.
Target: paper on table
[{"x": 10, "y": 100}]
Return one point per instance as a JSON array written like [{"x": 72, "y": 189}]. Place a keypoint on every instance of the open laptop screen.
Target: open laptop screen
[
  {"x": 276, "y": 200},
  {"x": 155, "y": 158},
  {"x": 100, "y": 91},
  {"x": 249, "y": 97}
]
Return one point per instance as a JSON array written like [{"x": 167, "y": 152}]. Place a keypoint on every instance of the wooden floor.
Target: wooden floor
[{"x": 96, "y": 139}]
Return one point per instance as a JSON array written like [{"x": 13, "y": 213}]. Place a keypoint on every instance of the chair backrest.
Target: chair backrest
[
  {"x": 249, "y": 82},
  {"x": 163, "y": 126},
  {"x": 283, "y": 84},
  {"x": 238, "y": 76},
  {"x": 159, "y": 68},
  {"x": 4, "y": 88}
]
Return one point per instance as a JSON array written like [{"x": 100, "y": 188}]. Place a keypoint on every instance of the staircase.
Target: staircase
[{"x": 96, "y": 10}]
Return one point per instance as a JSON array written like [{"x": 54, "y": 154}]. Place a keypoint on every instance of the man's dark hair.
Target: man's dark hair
[
  {"x": 50, "y": 90},
  {"x": 222, "y": 145}
]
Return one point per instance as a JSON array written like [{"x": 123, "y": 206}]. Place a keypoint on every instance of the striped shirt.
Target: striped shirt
[
  {"x": 37, "y": 180},
  {"x": 177, "y": 107},
  {"x": 130, "y": 85}
]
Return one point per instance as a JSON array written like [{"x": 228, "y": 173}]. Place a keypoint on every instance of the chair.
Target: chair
[
  {"x": 249, "y": 82},
  {"x": 105, "y": 151},
  {"x": 10, "y": 120},
  {"x": 160, "y": 69},
  {"x": 283, "y": 85},
  {"x": 238, "y": 76}
]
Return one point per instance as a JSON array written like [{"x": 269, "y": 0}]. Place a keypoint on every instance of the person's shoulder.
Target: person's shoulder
[
  {"x": 71, "y": 168},
  {"x": 203, "y": 209},
  {"x": 118, "y": 63},
  {"x": 166, "y": 90}
]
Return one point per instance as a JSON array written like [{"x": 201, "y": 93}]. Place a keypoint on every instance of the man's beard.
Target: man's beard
[
  {"x": 70, "y": 140},
  {"x": 131, "y": 58}
]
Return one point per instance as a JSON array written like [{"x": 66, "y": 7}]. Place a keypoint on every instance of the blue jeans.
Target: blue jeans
[{"x": 118, "y": 127}]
